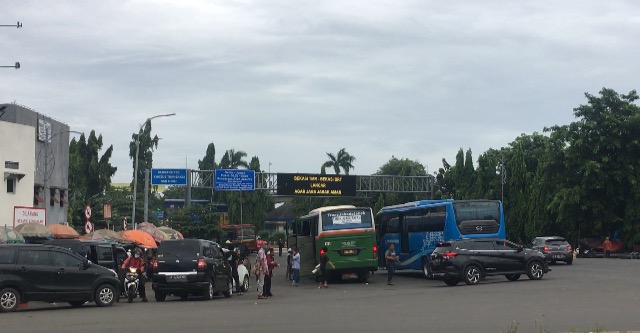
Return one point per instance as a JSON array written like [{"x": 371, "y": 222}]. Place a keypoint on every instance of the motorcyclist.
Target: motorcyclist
[{"x": 137, "y": 262}]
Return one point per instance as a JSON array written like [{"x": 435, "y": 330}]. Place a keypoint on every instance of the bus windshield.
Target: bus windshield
[{"x": 347, "y": 219}]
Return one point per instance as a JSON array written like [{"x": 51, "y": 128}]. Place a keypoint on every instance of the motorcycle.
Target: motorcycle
[{"x": 131, "y": 282}]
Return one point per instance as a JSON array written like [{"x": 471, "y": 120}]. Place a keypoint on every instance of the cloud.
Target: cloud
[{"x": 289, "y": 81}]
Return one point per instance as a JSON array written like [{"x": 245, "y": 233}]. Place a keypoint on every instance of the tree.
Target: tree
[
  {"x": 89, "y": 174},
  {"x": 233, "y": 160},
  {"x": 342, "y": 160}
]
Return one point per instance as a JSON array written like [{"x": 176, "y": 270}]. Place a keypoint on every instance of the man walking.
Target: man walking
[
  {"x": 391, "y": 259},
  {"x": 263, "y": 269},
  {"x": 606, "y": 246},
  {"x": 295, "y": 267}
]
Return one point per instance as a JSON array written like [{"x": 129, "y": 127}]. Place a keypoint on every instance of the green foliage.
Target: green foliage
[
  {"x": 196, "y": 221},
  {"x": 263, "y": 234},
  {"x": 276, "y": 236}
]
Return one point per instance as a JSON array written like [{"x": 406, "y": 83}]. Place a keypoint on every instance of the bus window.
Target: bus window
[{"x": 305, "y": 228}]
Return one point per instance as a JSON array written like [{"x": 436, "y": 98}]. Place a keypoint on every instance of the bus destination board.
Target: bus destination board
[{"x": 303, "y": 184}]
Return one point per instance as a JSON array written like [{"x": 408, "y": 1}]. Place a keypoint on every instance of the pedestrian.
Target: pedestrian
[
  {"x": 606, "y": 246},
  {"x": 391, "y": 258},
  {"x": 295, "y": 266},
  {"x": 289, "y": 272},
  {"x": 324, "y": 261},
  {"x": 271, "y": 264},
  {"x": 261, "y": 269},
  {"x": 233, "y": 263},
  {"x": 280, "y": 245}
]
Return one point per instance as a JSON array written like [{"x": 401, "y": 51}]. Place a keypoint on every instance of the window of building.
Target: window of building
[{"x": 11, "y": 185}]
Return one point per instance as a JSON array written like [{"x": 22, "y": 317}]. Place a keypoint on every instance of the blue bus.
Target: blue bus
[{"x": 416, "y": 227}]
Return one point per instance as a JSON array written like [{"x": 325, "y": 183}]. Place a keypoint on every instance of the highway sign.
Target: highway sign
[
  {"x": 168, "y": 176},
  {"x": 235, "y": 180}
]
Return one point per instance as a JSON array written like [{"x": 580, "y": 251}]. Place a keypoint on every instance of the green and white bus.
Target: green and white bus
[{"x": 349, "y": 234}]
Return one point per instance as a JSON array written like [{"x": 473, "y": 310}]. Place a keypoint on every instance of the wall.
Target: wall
[{"x": 16, "y": 145}]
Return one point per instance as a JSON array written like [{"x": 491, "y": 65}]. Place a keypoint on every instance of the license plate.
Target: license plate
[
  {"x": 349, "y": 252},
  {"x": 558, "y": 256},
  {"x": 176, "y": 278}
]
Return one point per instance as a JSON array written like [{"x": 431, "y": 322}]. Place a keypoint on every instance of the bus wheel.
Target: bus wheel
[
  {"x": 426, "y": 269},
  {"x": 363, "y": 276}
]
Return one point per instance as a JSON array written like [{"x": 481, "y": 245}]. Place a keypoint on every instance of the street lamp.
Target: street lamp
[
  {"x": 16, "y": 66},
  {"x": 502, "y": 169},
  {"x": 135, "y": 171}
]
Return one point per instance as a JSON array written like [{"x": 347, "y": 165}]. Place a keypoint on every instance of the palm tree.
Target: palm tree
[
  {"x": 341, "y": 160},
  {"x": 233, "y": 159}
]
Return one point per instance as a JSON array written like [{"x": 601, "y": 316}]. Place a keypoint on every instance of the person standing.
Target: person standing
[
  {"x": 324, "y": 261},
  {"x": 295, "y": 266},
  {"x": 289, "y": 272},
  {"x": 271, "y": 264},
  {"x": 391, "y": 258},
  {"x": 280, "y": 245},
  {"x": 606, "y": 246},
  {"x": 233, "y": 262},
  {"x": 261, "y": 266}
]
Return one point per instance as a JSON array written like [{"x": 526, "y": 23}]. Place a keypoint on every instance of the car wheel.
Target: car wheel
[
  {"x": 512, "y": 277},
  {"x": 160, "y": 296},
  {"x": 245, "y": 284},
  {"x": 472, "y": 274},
  {"x": 569, "y": 262},
  {"x": 451, "y": 281},
  {"x": 426, "y": 269},
  {"x": 535, "y": 270},
  {"x": 105, "y": 295},
  {"x": 227, "y": 293},
  {"x": 208, "y": 292},
  {"x": 9, "y": 300},
  {"x": 77, "y": 304}
]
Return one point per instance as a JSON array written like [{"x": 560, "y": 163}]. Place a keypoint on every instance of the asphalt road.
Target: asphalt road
[{"x": 590, "y": 295}]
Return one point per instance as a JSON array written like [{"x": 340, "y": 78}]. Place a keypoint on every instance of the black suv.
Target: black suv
[
  {"x": 34, "y": 272},
  {"x": 191, "y": 267},
  {"x": 104, "y": 253},
  {"x": 470, "y": 260}
]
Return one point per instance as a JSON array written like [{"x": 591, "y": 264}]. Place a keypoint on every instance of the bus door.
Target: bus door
[{"x": 305, "y": 241}]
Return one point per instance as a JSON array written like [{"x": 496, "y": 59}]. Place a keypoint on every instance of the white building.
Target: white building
[{"x": 34, "y": 156}]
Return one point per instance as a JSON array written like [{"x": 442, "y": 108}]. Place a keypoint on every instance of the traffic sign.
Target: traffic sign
[
  {"x": 87, "y": 212},
  {"x": 168, "y": 176},
  {"x": 235, "y": 180},
  {"x": 88, "y": 227}
]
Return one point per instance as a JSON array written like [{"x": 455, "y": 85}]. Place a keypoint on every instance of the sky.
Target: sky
[{"x": 289, "y": 81}]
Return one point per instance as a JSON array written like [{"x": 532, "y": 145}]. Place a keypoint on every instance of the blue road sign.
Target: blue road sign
[
  {"x": 168, "y": 177},
  {"x": 235, "y": 180}
]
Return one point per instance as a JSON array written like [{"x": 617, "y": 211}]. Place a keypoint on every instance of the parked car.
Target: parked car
[
  {"x": 108, "y": 254},
  {"x": 470, "y": 260},
  {"x": 36, "y": 272},
  {"x": 554, "y": 248},
  {"x": 186, "y": 267}
]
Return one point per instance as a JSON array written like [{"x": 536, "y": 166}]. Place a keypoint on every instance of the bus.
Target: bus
[
  {"x": 416, "y": 227},
  {"x": 347, "y": 231}
]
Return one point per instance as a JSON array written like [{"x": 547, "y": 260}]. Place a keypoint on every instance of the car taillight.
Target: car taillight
[
  {"x": 449, "y": 254},
  {"x": 545, "y": 249},
  {"x": 569, "y": 248},
  {"x": 375, "y": 251},
  {"x": 202, "y": 264},
  {"x": 154, "y": 264}
]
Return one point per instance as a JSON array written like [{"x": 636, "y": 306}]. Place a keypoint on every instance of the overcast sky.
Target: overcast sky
[{"x": 289, "y": 81}]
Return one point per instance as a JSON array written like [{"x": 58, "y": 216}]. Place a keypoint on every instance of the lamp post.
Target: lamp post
[
  {"x": 135, "y": 171},
  {"x": 16, "y": 66},
  {"x": 502, "y": 169}
]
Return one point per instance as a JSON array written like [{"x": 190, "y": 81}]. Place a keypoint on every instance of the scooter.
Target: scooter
[{"x": 131, "y": 282}]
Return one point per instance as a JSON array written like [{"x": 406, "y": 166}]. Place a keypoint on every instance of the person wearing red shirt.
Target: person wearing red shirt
[{"x": 137, "y": 262}]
